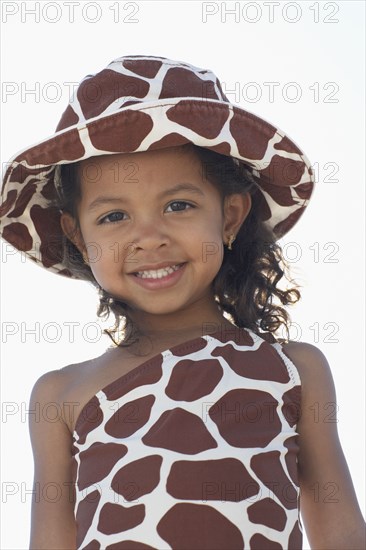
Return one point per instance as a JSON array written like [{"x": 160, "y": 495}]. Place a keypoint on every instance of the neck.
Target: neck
[{"x": 199, "y": 319}]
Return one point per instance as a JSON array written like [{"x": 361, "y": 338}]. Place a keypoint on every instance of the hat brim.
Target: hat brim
[{"x": 282, "y": 172}]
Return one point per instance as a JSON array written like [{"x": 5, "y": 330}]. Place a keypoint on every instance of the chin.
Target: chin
[{"x": 158, "y": 310}]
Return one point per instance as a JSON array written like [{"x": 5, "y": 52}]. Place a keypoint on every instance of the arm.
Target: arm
[
  {"x": 329, "y": 506},
  {"x": 52, "y": 521}
]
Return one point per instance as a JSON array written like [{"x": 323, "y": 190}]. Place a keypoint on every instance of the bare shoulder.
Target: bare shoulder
[
  {"x": 52, "y": 384},
  {"x": 66, "y": 389},
  {"x": 48, "y": 388},
  {"x": 311, "y": 364},
  {"x": 71, "y": 375},
  {"x": 79, "y": 382},
  {"x": 304, "y": 352}
]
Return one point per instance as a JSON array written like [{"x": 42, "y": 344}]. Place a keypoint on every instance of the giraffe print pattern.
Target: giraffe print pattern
[
  {"x": 194, "y": 449},
  {"x": 141, "y": 103}
]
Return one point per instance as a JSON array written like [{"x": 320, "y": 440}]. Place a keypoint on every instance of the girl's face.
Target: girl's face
[{"x": 153, "y": 227}]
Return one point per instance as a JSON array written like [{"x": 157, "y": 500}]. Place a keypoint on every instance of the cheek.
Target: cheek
[
  {"x": 108, "y": 256},
  {"x": 209, "y": 230},
  {"x": 106, "y": 270},
  {"x": 212, "y": 255},
  {"x": 103, "y": 247},
  {"x": 208, "y": 244}
]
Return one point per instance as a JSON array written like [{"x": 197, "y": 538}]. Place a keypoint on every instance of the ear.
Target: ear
[
  {"x": 236, "y": 209},
  {"x": 71, "y": 230}
]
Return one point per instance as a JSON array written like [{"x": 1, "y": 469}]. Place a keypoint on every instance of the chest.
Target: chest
[
  {"x": 198, "y": 430},
  {"x": 84, "y": 381}
]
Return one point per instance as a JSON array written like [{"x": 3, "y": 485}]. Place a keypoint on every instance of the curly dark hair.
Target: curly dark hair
[{"x": 247, "y": 284}]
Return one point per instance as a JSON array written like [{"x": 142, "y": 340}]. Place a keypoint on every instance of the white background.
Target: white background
[{"x": 313, "y": 51}]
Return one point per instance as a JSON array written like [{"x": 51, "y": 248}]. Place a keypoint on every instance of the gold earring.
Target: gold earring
[{"x": 230, "y": 242}]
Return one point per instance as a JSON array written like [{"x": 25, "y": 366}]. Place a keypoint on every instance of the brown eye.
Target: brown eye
[
  {"x": 179, "y": 206},
  {"x": 113, "y": 217}
]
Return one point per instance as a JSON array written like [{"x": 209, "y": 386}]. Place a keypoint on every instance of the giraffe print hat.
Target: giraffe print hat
[{"x": 141, "y": 103}]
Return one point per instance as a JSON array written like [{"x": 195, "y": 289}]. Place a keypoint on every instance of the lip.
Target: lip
[{"x": 165, "y": 282}]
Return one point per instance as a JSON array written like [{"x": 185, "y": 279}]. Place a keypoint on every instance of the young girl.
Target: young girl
[{"x": 195, "y": 430}]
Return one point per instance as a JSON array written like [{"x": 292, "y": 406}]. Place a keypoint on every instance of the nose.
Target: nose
[{"x": 150, "y": 233}]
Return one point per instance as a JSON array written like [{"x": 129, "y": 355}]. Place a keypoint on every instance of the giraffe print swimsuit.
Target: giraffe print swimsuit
[{"x": 194, "y": 449}]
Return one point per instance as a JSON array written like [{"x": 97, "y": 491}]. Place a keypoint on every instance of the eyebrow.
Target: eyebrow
[
  {"x": 100, "y": 201},
  {"x": 104, "y": 200},
  {"x": 182, "y": 187}
]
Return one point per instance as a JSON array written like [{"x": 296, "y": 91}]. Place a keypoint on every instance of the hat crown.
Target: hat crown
[{"x": 137, "y": 79}]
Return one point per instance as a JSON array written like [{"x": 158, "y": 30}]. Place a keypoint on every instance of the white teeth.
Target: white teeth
[{"x": 158, "y": 273}]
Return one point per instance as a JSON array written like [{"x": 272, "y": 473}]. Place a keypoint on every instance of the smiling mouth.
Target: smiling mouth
[{"x": 157, "y": 273}]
